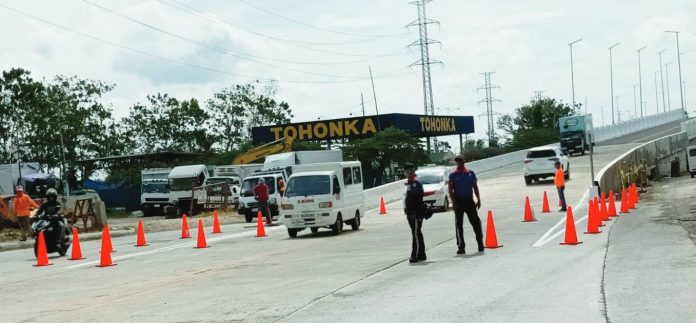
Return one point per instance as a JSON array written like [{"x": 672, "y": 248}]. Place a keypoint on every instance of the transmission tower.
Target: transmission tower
[
  {"x": 423, "y": 43},
  {"x": 488, "y": 87},
  {"x": 538, "y": 95}
]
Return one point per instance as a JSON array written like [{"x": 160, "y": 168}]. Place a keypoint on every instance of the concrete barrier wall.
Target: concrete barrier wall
[
  {"x": 632, "y": 126},
  {"x": 658, "y": 154},
  {"x": 689, "y": 127}
]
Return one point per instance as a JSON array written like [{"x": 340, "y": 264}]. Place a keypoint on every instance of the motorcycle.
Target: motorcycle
[{"x": 56, "y": 233}]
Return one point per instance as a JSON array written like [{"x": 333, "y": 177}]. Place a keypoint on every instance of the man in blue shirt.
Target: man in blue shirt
[{"x": 462, "y": 187}]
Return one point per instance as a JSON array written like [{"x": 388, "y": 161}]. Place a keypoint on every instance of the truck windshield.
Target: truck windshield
[
  {"x": 248, "y": 185},
  {"x": 182, "y": 184},
  {"x": 156, "y": 187},
  {"x": 308, "y": 185}
]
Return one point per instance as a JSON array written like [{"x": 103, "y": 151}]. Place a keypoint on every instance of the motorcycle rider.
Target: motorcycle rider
[{"x": 52, "y": 206}]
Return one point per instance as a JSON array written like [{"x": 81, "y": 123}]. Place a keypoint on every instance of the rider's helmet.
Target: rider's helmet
[{"x": 52, "y": 195}]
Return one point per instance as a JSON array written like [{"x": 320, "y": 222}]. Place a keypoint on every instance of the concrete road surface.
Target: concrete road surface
[{"x": 359, "y": 276}]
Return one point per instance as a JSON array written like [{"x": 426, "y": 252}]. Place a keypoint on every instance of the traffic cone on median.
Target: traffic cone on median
[
  {"x": 491, "y": 237},
  {"x": 216, "y": 223},
  {"x": 630, "y": 197},
  {"x": 260, "y": 229},
  {"x": 382, "y": 206},
  {"x": 528, "y": 212},
  {"x": 76, "y": 249},
  {"x": 612, "y": 205},
  {"x": 603, "y": 207},
  {"x": 636, "y": 198},
  {"x": 571, "y": 237},
  {"x": 201, "y": 236},
  {"x": 184, "y": 227},
  {"x": 109, "y": 246},
  {"x": 624, "y": 202},
  {"x": 595, "y": 210},
  {"x": 140, "y": 241},
  {"x": 106, "y": 248},
  {"x": 545, "y": 204},
  {"x": 592, "y": 220},
  {"x": 41, "y": 253}
]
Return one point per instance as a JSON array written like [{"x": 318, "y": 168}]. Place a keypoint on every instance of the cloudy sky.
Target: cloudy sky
[{"x": 319, "y": 51}]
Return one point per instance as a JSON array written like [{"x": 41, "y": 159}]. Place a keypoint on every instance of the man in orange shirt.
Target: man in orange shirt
[
  {"x": 559, "y": 180},
  {"x": 22, "y": 209}
]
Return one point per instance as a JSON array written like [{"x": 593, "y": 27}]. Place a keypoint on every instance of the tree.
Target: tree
[
  {"x": 391, "y": 146},
  {"x": 236, "y": 110},
  {"x": 534, "y": 124},
  {"x": 18, "y": 94},
  {"x": 168, "y": 124}
]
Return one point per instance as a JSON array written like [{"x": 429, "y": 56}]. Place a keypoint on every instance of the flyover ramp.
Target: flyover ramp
[{"x": 357, "y": 277}]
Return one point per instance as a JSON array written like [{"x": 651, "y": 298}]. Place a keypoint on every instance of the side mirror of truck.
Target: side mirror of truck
[{"x": 337, "y": 190}]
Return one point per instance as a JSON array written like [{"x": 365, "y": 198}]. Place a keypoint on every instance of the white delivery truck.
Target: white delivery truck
[
  {"x": 575, "y": 133},
  {"x": 233, "y": 175},
  {"x": 691, "y": 159},
  {"x": 323, "y": 195},
  {"x": 249, "y": 206},
  {"x": 154, "y": 192},
  {"x": 182, "y": 181}
]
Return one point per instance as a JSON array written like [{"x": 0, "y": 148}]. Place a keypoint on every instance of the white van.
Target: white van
[
  {"x": 182, "y": 181},
  {"x": 691, "y": 150},
  {"x": 323, "y": 195},
  {"x": 248, "y": 206}
]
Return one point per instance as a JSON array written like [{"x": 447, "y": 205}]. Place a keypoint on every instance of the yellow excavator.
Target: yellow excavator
[{"x": 281, "y": 145}]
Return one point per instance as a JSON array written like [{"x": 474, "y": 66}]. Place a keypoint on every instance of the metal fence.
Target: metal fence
[{"x": 390, "y": 192}]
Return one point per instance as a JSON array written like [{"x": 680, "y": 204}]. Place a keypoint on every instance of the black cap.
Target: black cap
[{"x": 459, "y": 157}]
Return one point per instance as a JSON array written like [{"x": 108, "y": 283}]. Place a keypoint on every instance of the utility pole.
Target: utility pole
[
  {"x": 538, "y": 95},
  {"x": 635, "y": 101},
  {"x": 489, "y": 105},
  {"x": 640, "y": 81},
  {"x": 681, "y": 91},
  {"x": 423, "y": 43},
  {"x": 657, "y": 100},
  {"x": 611, "y": 77},
  {"x": 374, "y": 94},
  {"x": 662, "y": 81},
  {"x": 362, "y": 102},
  {"x": 572, "y": 73},
  {"x": 669, "y": 100},
  {"x": 618, "y": 108}
]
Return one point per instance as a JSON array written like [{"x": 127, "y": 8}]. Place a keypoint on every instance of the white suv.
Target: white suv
[
  {"x": 540, "y": 163},
  {"x": 434, "y": 180}
]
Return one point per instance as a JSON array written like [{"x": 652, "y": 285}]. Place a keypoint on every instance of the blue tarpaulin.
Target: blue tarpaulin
[{"x": 116, "y": 195}]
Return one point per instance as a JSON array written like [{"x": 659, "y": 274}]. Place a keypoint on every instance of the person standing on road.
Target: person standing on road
[
  {"x": 559, "y": 180},
  {"x": 22, "y": 208},
  {"x": 261, "y": 195},
  {"x": 461, "y": 184},
  {"x": 414, "y": 214}
]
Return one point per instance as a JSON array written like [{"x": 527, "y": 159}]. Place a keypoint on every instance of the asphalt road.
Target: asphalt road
[{"x": 361, "y": 276}]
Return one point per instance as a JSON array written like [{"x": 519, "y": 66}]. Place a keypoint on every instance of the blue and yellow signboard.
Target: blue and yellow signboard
[{"x": 362, "y": 127}]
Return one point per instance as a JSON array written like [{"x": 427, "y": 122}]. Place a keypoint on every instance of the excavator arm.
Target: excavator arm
[{"x": 282, "y": 145}]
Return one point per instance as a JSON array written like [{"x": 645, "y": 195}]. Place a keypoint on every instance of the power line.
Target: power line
[
  {"x": 315, "y": 27},
  {"x": 182, "y": 63}
]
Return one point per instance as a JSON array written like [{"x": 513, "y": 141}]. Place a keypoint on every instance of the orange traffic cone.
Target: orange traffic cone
[
  {"x": 201, "y": 236},
  {"x": 76, "y": 249},
  {"x": 491, "y": 237},
  {"x": 592, "y": 220},
  {"x": 140, "y": 241},
  {"x": 260, "y": 229},
  {"x": 216, "y": 223},
  {"x": 631, "y": 199},
  {"x": 382, "y": 206},
  {"x": 545, "y": 204},
  {"x": 624, "y": 202},
  {"x": 571, "y": 237},
  {"x": 109, "y": 245},
  {"x": 105, "y": 260},
  {"x": 184, "y": 228},
  {"x": 603, "y": 207},
  {"x": 528, "y": 212},
  {"x": 41, "y": 253},
  {"x": 612, "y": 205},
  {"x": 636, "y": 198},
  {"x": 597, "y": 214}
]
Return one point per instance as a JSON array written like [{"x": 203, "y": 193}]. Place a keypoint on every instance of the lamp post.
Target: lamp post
[
  {"x": 662, "y": 81},
  {"x": 572, "y": 76},
  {"x": 611, "y": 77},
  {"x": 669, "y": 100},
  {"x": 657, "y": 100},
  {"x": 681, "y": 91},
  {"x": 640, "y": 81}
]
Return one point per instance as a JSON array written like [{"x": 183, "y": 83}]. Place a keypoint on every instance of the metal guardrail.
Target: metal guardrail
[
  {"x": 632, "y": 126},
  {"x": 689, "y": 126},
  {"x": 391, "y": 192}
]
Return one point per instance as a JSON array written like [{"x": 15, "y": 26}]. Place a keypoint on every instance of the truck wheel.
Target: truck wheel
[
  {"x": 692, "y": 175},
  {"x": 355, "y": 224},
  {"x": 248, "y": 217},
  {"x": 337, "y": 228},
  {"x": 528, "y": 180},
  {"x": 445, "y": 206},
  {"x": 314, "y": 230},
  {"x": 292, "y": 233}
]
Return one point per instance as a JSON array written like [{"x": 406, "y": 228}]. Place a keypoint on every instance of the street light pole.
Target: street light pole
[
  {"x": 618, "y": 108},
  {"x": 635, "y": 101},
  {"x": 669, "y": 100},
  {"x": 662, "y": 81},
  {"x": 657, "y": 100},
  {"x": 572, "y": 73},
  {"x": 640, "y": 81},
  {"x": 681, "y": 91},
  {"x": 611, "y": 76}
]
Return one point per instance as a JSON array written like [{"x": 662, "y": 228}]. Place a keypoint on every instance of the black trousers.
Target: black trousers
[
  {"x": 467, "y": 206},
  {"x": 417, "y": 243}
]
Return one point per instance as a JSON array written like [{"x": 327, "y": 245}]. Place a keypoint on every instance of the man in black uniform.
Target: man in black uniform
[{"x": 414, "y": 213}]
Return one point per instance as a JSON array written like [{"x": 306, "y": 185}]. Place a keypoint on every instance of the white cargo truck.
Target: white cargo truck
[
  {"x": 691, "y": 159},
  {"x": 575, "y": 133},
  {"x": 154, "y": 192},
  {"x": 182, "y": 181},
  {"x": 323, "y": 195}
]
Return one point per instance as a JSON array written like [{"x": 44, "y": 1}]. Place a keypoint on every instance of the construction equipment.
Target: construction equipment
[{"x": 281, "y": 145}]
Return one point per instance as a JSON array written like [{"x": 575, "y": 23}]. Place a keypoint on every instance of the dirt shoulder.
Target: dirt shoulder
[{"x": 678, "y": 203}]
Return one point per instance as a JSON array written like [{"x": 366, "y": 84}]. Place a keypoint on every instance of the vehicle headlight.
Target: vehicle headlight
[
  {"x": 273, "y": 201},
  {"x": 287, "y": 206},
  {"x": 326, "y": 204}
]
